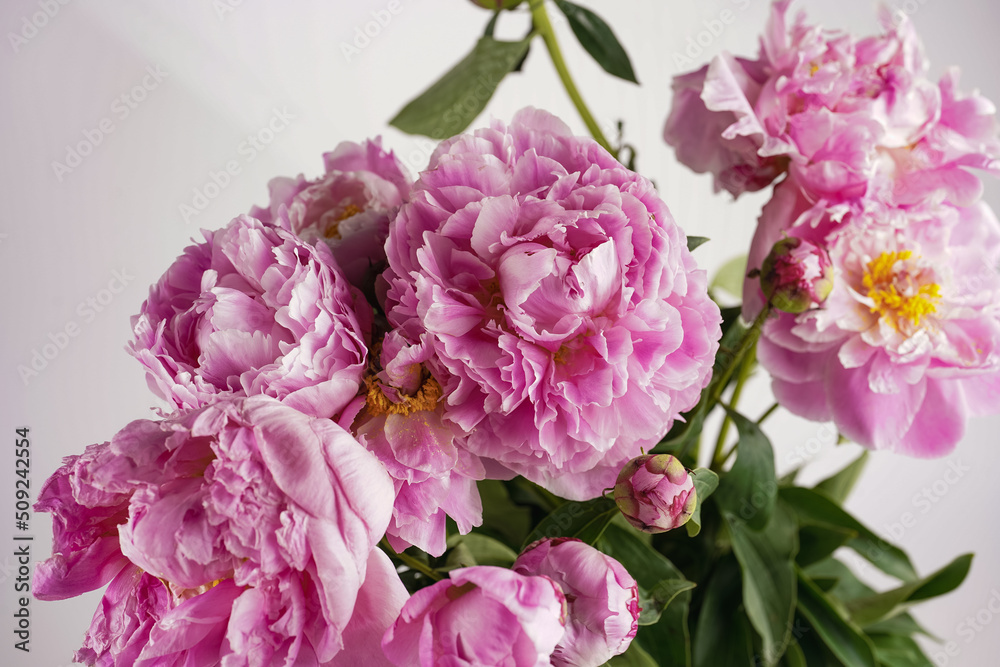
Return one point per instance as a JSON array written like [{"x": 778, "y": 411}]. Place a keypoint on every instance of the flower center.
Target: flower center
[
  {"x": 898, "y": 289},
  {"x": 333, "y": 231},
  {"x": 426, "y": 398}
]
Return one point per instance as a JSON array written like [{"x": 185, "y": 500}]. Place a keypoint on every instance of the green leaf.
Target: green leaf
[
  {"x": 838, "y": 486},
  {"x": 705, "y": 482},
  {"x": 766, "y": 559},
  {"x": 843, "y": 639},
  {"x": 635, "y": 656},
  {"x": 901, "y": 624},
  {"x": 749, "y": 489},
  {"x": 506, "y": 520},
  {"x": 585, "y": 520},
  {"x": 695, "y": 241},
  {"x": 454, "y": 101},
  {"x": 599, "y": 41},
  {"x": 668, "y": 641},
  {"x": 813, "y": 507},
  {"x": 897, "y": 651},
  {"x": 846, "y": 584},
  {"x": 794, "y": 657},
  {"x": 818, "y": 541},
  {"x": 729, "y": 277},
  {"x": 483, "y": 549},
  {"x": 722, "y": 636},
  {"x": 874, "y": 608},
  {"x": 653, "y": 602}
]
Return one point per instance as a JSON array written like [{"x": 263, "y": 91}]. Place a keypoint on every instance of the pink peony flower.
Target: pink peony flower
[
  {"x": 907, "y": 345},
  {"x": 602, "y": 598},
  {"x": 849, "y": 116},
  {"x": 253, "y": 310},
  {"x": 402, "y": 424},
  {"x": 257, "y": 523},
  {"x": 655, "y": 493},
  {"x": 481, "y": 617},
  {"x": 348, "y": 208},
  {"x": 568, "y": 323},
  {"x": 705, "y": 128}
]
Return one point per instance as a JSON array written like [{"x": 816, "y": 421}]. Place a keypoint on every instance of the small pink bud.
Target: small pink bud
[
  {"x": 655, "y": 493},
  {"x": 796, "y": 275}
]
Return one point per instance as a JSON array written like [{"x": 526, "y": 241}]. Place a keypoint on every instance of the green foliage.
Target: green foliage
[
  {"x": 597, "y": 38},
  {"x": 453, "y": 102}
]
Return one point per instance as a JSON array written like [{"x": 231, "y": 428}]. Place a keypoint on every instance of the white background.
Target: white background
[{"x": 61, "y": 240}]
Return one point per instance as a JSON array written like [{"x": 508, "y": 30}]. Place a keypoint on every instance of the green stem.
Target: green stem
[
  {"x": 541, "y": 21},
  {"x": 720, "y": 443},
  {"x": 767, "y": 413},
  {"x": 409, "y": 561},
  {"x": 748, "y": 340}
]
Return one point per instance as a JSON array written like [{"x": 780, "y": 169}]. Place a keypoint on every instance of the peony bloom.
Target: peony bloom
[
  {"x": 705, "y": 128},
  {"x": 230, "y": 517},
  {"x": 402, "y": 423},
  {"x": 254, "y": 310},
  {"x": 348, "y": 208},
  {"x": 655, "y": 493},
  {"x": 796, "y": 275},
  {"x": 907, "y": 345},
  {"x": 850, "y": 117},
  {"x": 567, "y": 321},
  {"x": 481, "y": 617},
  {"x": 602, "y": 598}
]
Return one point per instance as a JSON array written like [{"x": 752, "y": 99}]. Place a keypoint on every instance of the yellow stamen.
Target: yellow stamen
[
  {"x": 893, "y": 293},
  {"x": 378, "y": 403},
  {"x": 333, "y": 231}
]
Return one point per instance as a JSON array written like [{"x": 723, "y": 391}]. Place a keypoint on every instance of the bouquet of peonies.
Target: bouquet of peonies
[{"x": 457, "y": 419}]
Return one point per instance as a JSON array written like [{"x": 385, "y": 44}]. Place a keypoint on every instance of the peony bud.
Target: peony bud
[
  {"x": 655, "y": 493},
  {"x": 796, "y": 275}
]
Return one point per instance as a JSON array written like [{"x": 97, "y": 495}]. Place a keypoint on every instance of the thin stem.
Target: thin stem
[
  {"x": 541, "y": 21},
  {"x": 767, "y": 413},
  {"x": 720, "y": 443},
  {"x": 748, "y": 341},
  {"x": 409, "y": 561}
]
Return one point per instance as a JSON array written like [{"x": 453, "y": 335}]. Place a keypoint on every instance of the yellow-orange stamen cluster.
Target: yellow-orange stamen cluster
[
  {"x": 333, "y": 231},
  {"x": 894, "y": 294},
  {"x": 378, "y": 403}
]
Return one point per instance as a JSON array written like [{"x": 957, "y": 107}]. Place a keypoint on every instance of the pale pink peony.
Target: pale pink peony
[
  {"x": 480, "y": 617},
  {"x": 907, "y": 345},
  {"x": 238, "y": 514},
  {"x": 655, "y": 493},
  {"x": 254, "y": 310},
  {"x": 402, "y": 424},
  {"x": 348, "y": 208},
  {"x": 849, "y": 116},
  {"x": 568, "y": 322},
  {"x": 602, "y": 598}
]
